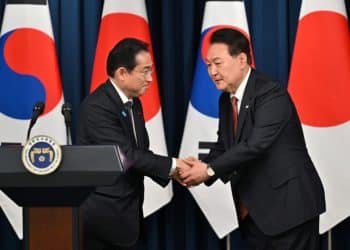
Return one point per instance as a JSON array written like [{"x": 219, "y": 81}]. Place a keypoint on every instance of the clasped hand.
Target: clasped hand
[{"x": 190, "y": 172}]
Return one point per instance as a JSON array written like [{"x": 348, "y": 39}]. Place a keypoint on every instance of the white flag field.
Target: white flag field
[
  {"x": 216, "y": 201},
  {"x": 320, "y": 87},
  {"x": 130, "y": 18},
  {"x": 28, "y": 73}
]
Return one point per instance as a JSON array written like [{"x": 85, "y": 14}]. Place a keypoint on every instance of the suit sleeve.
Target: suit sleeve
[
  {"x": 217, "y": 150},
  {"x": 273, "y": 110},
  {"x": 101, "y": 126}
]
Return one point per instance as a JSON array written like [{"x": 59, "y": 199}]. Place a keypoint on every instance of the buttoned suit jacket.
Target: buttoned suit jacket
[
  {"x": 267, "y": 160},
  {"x": 114, "y": 213}
]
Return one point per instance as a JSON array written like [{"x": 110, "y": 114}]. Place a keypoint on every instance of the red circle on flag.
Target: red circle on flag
[
  {"x": 320, "y": 73},
  {"x": 115, "y": 27}
]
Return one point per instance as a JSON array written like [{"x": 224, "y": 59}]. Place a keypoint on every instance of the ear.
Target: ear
[
  {"x": 242, "y": 57},
  {"x": 121, "y": 73}
]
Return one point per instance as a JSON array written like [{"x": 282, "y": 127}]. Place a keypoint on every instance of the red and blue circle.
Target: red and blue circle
[{"x": 28, "y": 73}]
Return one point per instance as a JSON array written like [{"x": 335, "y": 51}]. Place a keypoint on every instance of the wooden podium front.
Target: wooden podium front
[{"x": 56, "y": 227}]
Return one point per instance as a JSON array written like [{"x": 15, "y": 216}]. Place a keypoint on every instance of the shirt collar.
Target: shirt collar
[
  {"x": 240, "y": 91},
  {"x": 124, "y": 98}
]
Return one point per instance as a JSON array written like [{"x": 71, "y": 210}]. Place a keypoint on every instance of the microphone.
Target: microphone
[
  {"x": 38, "y": 109},
  {"x": 67, "y": 114}
]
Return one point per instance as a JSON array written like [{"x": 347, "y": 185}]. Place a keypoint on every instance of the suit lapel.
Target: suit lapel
[
  {"x": 121, "y": 110},
  {"x": 245, "y": 104},
  {"x": 227, "y": 123},
  {"x": 139, "y": 122}
]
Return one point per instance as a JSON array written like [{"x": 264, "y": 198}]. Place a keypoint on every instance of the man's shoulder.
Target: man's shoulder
[
  {"x": 265, "y": 84},
  {"x": 99, "y": 92},
  {"x": 101, "y": 89},
  {"x": 99, "y": 97},
  {"x": 265, "y": 79}
]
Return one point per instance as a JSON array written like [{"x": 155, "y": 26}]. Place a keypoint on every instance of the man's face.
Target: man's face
[
  {"x": 138, "y": 80},
  {"x": 226, "y": 71}
]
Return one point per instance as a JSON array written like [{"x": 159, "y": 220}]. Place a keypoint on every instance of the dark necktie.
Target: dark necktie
[
  {"x": 128, "y": 106},
  {"x": 242, "y": 210}
]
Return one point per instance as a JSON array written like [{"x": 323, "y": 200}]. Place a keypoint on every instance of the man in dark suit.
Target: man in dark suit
[
  {"x": 261, "y": 150},
  {"x": 112, "y": 114}
]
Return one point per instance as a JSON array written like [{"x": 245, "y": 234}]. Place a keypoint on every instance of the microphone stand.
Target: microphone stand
[
  {"x": 66, "y": 112},
  {"x": 68, "y": 135}
]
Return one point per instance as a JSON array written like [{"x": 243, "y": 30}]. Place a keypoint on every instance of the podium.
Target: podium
[{"x": 51, "y": 202}]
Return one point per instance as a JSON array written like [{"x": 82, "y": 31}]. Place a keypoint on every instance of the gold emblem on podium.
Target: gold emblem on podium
[{"x": 41, "y": 155}]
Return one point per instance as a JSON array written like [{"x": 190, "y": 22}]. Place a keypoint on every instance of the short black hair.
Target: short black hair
[
  {"x": 235, "y": 40},
  {"x": 123, "y": 54}
]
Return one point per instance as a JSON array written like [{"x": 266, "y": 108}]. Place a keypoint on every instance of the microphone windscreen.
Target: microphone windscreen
[
  {"x": 39, "y": 108},
  {"x": 66, "y": 107}
]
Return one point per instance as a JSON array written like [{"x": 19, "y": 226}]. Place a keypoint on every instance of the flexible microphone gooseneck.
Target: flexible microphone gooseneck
[{"x": 38, "y": 109}]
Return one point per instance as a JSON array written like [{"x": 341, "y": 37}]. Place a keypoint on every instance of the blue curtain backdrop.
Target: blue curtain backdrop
[{"x": 175, "y": 29}]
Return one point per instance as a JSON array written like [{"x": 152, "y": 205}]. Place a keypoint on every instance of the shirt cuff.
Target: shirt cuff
[{"x": 173, "y": 167}]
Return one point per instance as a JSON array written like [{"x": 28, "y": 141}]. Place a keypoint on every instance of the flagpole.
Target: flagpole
[
  {"x": 228, "y": 242},
  {"x": 329, "y": 239}
]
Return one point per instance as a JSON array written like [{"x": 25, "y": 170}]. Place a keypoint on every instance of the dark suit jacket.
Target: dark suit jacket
[
  {"x": 267, "y": 161},
  {"x": 114, "y": 213}
]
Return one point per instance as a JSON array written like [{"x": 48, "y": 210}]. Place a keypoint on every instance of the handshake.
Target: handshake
[{"x": 190, "y": 172}]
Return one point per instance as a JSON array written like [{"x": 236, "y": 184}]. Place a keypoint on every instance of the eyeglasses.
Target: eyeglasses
[{"x": 146, "y": 72}]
